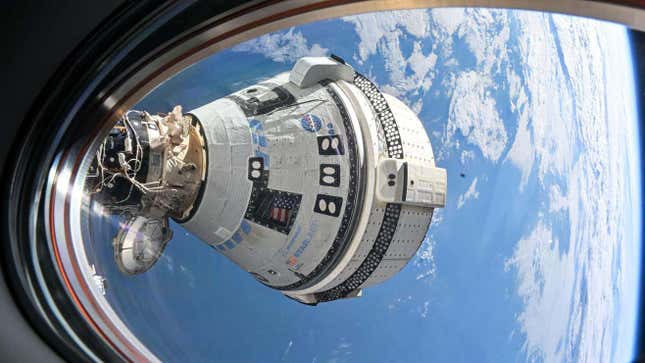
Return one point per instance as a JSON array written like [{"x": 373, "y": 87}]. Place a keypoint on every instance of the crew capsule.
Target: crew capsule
[{"x": 313, "y": 181}]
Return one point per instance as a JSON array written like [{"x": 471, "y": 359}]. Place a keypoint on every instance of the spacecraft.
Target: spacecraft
[{"x": 313, "y": 181}]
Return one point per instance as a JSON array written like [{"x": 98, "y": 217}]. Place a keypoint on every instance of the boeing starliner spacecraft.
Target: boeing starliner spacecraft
[{"x": 313, "y": 181}]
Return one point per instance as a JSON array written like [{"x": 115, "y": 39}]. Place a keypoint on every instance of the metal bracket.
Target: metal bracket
[
  {"x": 310, "y": 70},
  {"x": 405, "y": 182}
]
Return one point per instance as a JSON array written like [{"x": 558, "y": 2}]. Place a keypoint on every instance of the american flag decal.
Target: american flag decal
[
  {"x": 274, "y": 209},
  {"x": 292, "y": 260},
  {"x": 281, "y": 209},
  {"x": 280, "y": 215}
]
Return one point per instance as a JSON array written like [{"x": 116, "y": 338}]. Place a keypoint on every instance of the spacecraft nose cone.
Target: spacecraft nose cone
[{"x": 140, "y": 243}]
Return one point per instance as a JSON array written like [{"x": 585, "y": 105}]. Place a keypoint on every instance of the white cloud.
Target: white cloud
[
  {"x": 546, "y": 298},
  {"x": 557, "y": 201},
  {"x": 287, "y": 350},
  {"x": 522, "y": 153},
  {"x": 342, "y": 350},
  {"x": 382, "y": 33},
  {"x": 399, "y": 302},
  {"x": 424, "y": 313},
  {"x": 473, "y": 114},
  {"x": 286, "y": 46},
  {"x": 188, "y": 275},
  {"x": 466, "y": 156},
  {"x": 471, "y": 193},
  {"x": 550, "y": 140},
  {"x": 373, "y": 27},
  {"x": 424, "y": 258},
  {"x": 422, "y": 67},
  {"x": 449, "y": 19},
  {"x": 167, "y": 261},
  {"x": 486, "y": 32}
]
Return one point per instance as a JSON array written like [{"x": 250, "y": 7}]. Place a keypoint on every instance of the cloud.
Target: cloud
[
  {"x": 287, "y": 350},
  {"x": 471, "y": 193},
  {"x": 344, "y": 345},
  {"x": 285, "y": 46},
  {"x": 402, "y": 84},
  {"x": 466, "y": 156},
  {"x": 381, "y": 34},
  {"x": 557, "y": 201},
  {"x": 538, "y": 265},
  {"x": 486, "y": 33},
  {"x": 473, "y": 114},
  {"x": 167, "y": 261},
  {"x": 424, "y": 259},
  {"x": 550, "y": 97},
  {"x": 188, "y": 274},
  {"x": 398, "y": 302},
  {"x": 522, "y": 153},
  {"x": 372, "y": 28},
  {"x": 473, "y": 110},
  {"x": 424, "y": 313},
  {"x": 449, "y": 19},
  {"x": 342, "y": 351}
]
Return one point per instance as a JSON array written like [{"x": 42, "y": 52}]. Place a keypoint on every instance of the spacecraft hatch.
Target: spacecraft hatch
[{"x": 313, "y": 181}]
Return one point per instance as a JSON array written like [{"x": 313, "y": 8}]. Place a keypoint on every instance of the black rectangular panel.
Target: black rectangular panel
[
  {"x": 330, "y": 145},
  {"x": 328, "y": 204},
  {"x": 329, "y": 175},
  {"x": 256, "y": 168}
]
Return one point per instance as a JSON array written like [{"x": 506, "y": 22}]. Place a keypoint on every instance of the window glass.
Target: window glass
[{"x": 535, "y": 256}]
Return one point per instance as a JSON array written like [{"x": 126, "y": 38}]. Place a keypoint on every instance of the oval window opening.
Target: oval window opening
[{"x": 358, "y": 187}]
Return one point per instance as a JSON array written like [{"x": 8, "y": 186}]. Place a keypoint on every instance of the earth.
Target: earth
[{"x": 536, "y": 256}]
